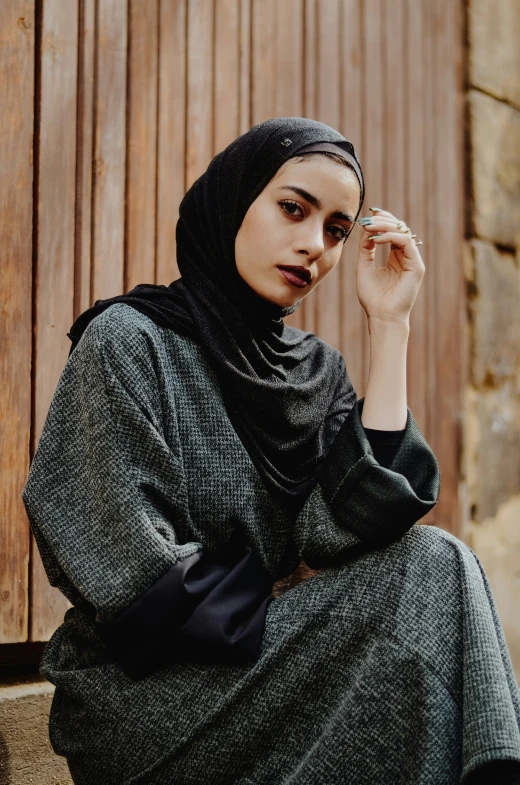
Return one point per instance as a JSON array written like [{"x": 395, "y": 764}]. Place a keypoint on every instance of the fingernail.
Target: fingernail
[
  {"x": 365, "y": 221},
  {"x": 373, "y": 236},
  {"x": 375, "y": 209}
]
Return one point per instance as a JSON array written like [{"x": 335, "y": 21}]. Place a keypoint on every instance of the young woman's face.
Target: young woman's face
[{"x": 293, "y": 233}]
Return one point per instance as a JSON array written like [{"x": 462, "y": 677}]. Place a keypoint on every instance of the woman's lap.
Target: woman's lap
[{"x": 360, "y": 673}]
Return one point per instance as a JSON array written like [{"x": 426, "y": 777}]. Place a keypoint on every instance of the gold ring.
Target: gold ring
[
  {"x": 418, "y": 242},
  {"x": 402, "y": 227}
]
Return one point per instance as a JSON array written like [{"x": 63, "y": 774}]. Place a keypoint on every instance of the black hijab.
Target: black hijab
[{"x": 279, "y": 383}]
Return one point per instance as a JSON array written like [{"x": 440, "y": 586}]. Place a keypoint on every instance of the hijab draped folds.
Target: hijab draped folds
[{"x": 278, "y": 382}]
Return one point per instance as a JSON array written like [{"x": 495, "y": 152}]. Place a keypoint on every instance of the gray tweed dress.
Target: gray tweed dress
[{"x": 387, "y": 666}]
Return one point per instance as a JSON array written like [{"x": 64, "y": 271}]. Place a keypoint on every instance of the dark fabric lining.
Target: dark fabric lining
[{"x": 203, "y": 611}]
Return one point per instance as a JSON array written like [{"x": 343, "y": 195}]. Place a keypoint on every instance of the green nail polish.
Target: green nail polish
[
  {"x": 373, "y": 236},
  {"x": 365, "y": 221},
  {"x": 375, "y": 209}
]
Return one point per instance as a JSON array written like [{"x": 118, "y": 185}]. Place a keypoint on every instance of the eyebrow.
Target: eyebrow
[{"x": 316, "y": 202}]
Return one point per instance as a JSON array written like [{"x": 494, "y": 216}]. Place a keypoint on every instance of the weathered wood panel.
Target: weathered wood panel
[
  {"x": 446, "y": 321},
  {"x": 141, "y": 142},
  {"x": 227, "y": 73},
  {"x": 83, "y": 249},
  {"x": 354, "y": 333},
  {"x": 108, "y": 229},
  {"x": 200, "y": 104},
  {"x": 244, "y": 111},
  {"x": 171, "y": 181},
  {"x": 328, "y": 107},
  {"x": 17, "y": 37},
  {"x": 54, "y": 270},
  {"x": 132, "y": 101}
]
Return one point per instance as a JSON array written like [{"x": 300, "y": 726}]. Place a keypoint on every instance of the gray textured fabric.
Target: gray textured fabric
[{"x": 388, "y": 666}]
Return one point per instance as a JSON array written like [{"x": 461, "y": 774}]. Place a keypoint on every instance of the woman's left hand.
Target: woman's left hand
[{"x": 388, "y": 293}]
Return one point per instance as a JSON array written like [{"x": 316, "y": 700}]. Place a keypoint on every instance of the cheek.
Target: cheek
[{"x": 329, "y": 262}]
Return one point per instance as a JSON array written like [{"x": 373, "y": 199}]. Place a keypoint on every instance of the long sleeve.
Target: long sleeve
[
  {"x": 384, "y": 444},
  {"x": 359, "y": 504},
  {"x": 106, "y": 502}
]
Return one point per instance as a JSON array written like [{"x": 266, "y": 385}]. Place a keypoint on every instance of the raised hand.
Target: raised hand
[{"x": 388, "y": 293}]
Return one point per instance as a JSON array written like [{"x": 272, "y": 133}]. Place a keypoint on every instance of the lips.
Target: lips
[{"x": 295, "y": 275}]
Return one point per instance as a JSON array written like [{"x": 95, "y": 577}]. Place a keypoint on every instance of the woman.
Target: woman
[{"x": 197, "y": 449}]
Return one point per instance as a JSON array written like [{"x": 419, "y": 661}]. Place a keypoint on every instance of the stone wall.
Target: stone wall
[
  {"x": 492, "y": 433},
  {"x": 26, "y": 755}
]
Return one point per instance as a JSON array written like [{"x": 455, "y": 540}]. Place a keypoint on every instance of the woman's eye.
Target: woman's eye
[
  {"x": 287, "y": 205},
  {"x": 343, "y": 232}
]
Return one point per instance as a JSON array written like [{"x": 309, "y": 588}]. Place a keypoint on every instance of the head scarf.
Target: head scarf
[{"x": 278, "y": 383}]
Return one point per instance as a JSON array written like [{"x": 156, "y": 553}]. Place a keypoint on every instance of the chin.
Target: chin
[{"x": 282, "y": 299}]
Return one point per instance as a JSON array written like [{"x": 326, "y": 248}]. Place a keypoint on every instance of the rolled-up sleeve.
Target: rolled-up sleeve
[
  {"x": 105, "y": 501},
  {"x": 359, "y": 504}
]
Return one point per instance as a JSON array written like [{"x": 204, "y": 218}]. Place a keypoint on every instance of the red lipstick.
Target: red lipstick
[{"x": 295, "y": 275}]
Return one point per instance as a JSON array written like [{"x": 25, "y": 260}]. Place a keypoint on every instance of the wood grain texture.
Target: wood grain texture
[
  {"x": 171, "y": 182},
  {"x": 308, "y": 308},
  {"x": 353, "y": 323},
  {"x": 244, "y": 109},
  {"x": 108, "y": 226},
  {"x": 133, "y": 107},
  {"x": 17, "y": 26},
  {"x": 227, "y": 73},
  {"x": 54, "y": 305},
  {"x": 329, "y": 293},
  {"x": 448, "y": 271},
  {"x": 83, "y": 248},
  {"x": 289, "y": 80},
  {"x": 263, "y": 65},
  {"x": 141, "y": 163},
  {"x": 420, "y": 380},
  {"x": 200, "y": 106}
]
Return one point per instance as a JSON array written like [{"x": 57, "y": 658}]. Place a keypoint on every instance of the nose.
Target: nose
[{"x": 310, "y": 240}]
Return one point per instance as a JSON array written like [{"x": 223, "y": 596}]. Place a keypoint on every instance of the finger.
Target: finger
[
  {"x": 403, "y": 242},
  {"x": 378, "y": 211},
  {"x": 384, "y": 225}
]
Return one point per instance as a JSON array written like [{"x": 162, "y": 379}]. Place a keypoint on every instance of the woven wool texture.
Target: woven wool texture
[{"x": 388, "y": 666}]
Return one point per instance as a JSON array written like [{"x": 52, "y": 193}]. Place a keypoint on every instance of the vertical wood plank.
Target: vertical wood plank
[
  {"x": 17, "y": 42},
  {"x": 244, "y": 110},
  {"x": 171, "y": 134},
  {"x": 109, "y": 150},
  {"x": 428, "y": 250},
  {"x": 288, "y": 54},
  {"x": 309, "y": 308},
  {"x": 329, "y": 293},
  {"x": 200, "y": 110},
  {"x": 353, "y": 324},
  {"x": 421, "y": 372},
  {"x": 55, "y": 250},
  {"x": 449, "y": 288},
  {"x": 289, "y": 84},
  {"x": 143, "y": 28},
  {"x": 227, "y": 72},
  {"x": 414, "y": 213},
  {"x": 82, "y": 254},
  {"x": 373, "y": 129},
  {"x": 264, "y": 66}
]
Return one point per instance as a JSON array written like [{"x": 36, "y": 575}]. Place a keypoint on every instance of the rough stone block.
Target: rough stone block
[
  {"x": 26, "y": 755},
  {"x": 496, "y": 541},
  {"x": 492, "y": 457},
  {"x": 494, "y": 50},
  {"x": 495, "y": 169},
  {"x": 495, "y": 311}
]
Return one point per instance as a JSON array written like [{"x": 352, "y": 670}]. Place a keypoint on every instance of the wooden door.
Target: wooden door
[{"x": 110, "y": 110}]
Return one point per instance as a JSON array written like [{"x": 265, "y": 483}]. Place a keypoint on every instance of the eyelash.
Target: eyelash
[{"x": 344, "y": 233}]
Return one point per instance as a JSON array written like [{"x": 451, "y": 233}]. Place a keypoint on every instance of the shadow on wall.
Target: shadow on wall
[{"x": 5, "y": 766}]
